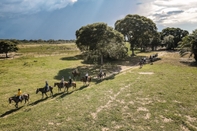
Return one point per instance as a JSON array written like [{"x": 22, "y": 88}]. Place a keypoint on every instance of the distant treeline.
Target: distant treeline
[{"x": 50, "y": 41}]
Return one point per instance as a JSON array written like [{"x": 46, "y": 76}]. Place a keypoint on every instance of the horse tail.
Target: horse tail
[
  {"x": 51, "y": 87},
  {"x": 9, "y": 100},
  {"x": 28, "y": 96}
]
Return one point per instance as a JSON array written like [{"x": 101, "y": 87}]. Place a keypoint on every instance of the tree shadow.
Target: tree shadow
[
  {"x": 189, "y": 63},
  {"x": 11, "y": 111},
  {"x": 76, "y": 57}
]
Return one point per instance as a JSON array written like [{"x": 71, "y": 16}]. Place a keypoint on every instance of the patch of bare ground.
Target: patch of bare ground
[
  {"x": 146, "y": 73},
  {"x": 166, "y": 120}
]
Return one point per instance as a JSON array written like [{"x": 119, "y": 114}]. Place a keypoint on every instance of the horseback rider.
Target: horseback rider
[
  {"x": 62, "y": 81},
  {"x": 101, "y": 71},
  {"x": 19, "y": 94},
  {"x": 69, "y": 80},
  {"x": 46, "y": 86},
  {"x": 76, "y": 70},
  {"x": 86, "y": 76}
]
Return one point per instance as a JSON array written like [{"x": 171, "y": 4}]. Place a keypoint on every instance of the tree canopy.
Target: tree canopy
[
  {"x": 189, "y": 45},
  {"x": 137, "y": 30},
  {"x": 176, "y": 32},
  {"x": 7, "y": 46},
  {"x": 98, "y": 40}
]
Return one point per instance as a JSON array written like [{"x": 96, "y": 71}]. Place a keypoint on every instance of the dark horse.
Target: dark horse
[
  {"x": 17, "y": 100},
  {"x": 101, "y": 75},
  {"x": 44, "y": 91},
  {"x": 84, "y": 80},
  {"x": 59, "y": 85},
  {"x": 76, "y": 73},
  {"x": 67, "y": 85}
]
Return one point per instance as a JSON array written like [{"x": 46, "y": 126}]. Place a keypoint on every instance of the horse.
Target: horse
[
  {"x": 59, "y": 85},
  {"x": 17, "y": 100},
  {"x": 84, "y": 80},
  {"x": 141, "y": 63},
  {"x": 76, "y": 73},
  {"x": 44, "y": 91},
  {"x": 67, "y": 85},
  {"x": 101, "y": 75}
]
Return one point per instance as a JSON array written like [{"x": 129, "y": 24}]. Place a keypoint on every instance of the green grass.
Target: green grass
[{"x": 130, "y": 100}]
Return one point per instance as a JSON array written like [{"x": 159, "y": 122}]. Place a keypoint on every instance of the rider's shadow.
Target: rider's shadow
[
  {"x": 38, "y": 101},
  {"x": 10, "y": 111},
  {"x": 65, "y": 94}
]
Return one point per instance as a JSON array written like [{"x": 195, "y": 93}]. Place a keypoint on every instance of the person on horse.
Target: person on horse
[
  {"x": 86, "y": 76},
  {"x": 101, "y": 71},
  {"x": 76, "y": 70},
  {"x": 62, "y": 81},
  {"x": 46, "y": 86},
  {"x": 69, "y": 80},
  {"x": 19, "y": 94}
]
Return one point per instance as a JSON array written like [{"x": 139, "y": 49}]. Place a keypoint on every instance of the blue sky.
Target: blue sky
[{"x": 59, "y": 19}]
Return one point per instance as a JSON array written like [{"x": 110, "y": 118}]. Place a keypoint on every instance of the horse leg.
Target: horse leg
[
  {"x": 46, "y": 94},
  {"x": 67, "y": 89},
  {"x": 16, "y": 105},
  {"x": 51, "y": 92}
]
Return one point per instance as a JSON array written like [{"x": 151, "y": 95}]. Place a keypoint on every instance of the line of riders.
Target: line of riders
[
  {"x": 19, "y": 97},
  {"x": 151, "y": 59}
]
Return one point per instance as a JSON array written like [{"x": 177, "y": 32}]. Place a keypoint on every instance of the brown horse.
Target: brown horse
[
  {"x": 76, "y": 73},
  {"x": 101, "y": 75},
  {"x": 67, "y": 85},
  {"x": 44, "y": 91},
  {"x": 17, "y": 100},
  {"x": 84, "y": 80},
  {"x": 59, "y": 85}
]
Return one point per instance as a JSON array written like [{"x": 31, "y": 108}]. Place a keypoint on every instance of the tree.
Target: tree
[
  {"x": 155, "y": 41},
  {"x": 136, "y": 29},
  {"x": 168, "y": 41},
  {"x": 176, "y": 32},
  {"x": 189, "y": 45},
  {"x": 98, "y": 40},
  {"x": 8, "y": 46}
]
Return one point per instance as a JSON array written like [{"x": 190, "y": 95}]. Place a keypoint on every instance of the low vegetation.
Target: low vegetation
[{"x": 156, "y": 97}]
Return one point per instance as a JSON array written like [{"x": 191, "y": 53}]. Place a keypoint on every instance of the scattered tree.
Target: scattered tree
[
  {"x": 176, "y": 32},
  {"x": 168, "y": 41},
  {"x": 7, "y": 46},
  {"x": 98, "y": 40},
  {"x": 137, "y": 30},
  {"x": 189, "y": 45}
]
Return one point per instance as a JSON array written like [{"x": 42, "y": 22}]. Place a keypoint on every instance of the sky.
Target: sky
[{"x": 59, "y": 19}]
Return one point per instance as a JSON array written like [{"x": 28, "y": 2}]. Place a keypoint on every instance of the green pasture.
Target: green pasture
[{"x": 161, "y": 96}]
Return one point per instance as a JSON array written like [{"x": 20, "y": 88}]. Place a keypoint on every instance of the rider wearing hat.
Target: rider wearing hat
[
  {"x": 19, "y": 94},
  {"x": 69, "y": 80},
  {"x": 62, "y": 81}
]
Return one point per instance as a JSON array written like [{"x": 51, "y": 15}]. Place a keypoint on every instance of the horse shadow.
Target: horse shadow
[
  {"x": 11, "y": 111},
  {"x": 65, "y": 94},
  {"x": 83, "y": 87},
  {"x": 38, "y": 101},
  {"x": 109, "y": 77}
]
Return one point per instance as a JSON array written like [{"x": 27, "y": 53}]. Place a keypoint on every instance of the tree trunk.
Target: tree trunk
[
  {"x": 132, "y": 52},
  {"x": 101, "y": 59},
  {"x": 195, "y": 57},
  {"x": 6, "y": 54}
]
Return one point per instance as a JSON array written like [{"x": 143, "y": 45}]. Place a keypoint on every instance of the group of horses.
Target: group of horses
[
  {"x": 60, "y": 85},
  {"x": 149, "y": 59}
]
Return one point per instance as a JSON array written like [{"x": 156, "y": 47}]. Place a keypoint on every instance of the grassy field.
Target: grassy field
[{"x": 161, "y": 96}]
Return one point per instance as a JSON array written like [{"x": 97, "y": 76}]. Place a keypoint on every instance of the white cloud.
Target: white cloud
[
  {"x": 170, "y": 12},
  {"x": 17, "y": 7}
]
